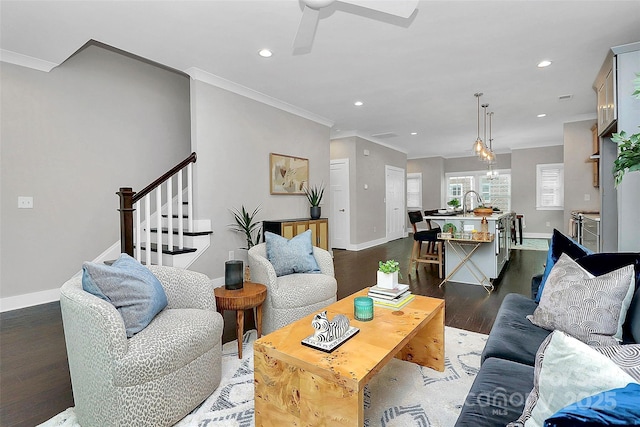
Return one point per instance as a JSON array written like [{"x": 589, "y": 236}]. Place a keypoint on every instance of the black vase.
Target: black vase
[
  {"x": 233, "y": 274},
  {"x": 314, "y": 211}
]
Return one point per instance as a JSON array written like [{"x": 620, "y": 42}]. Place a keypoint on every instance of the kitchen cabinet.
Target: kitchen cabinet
[
  {"x": 605, "y": 87},
  {"x": 595, "y": 157},
  {"x": 289, "y": 228}
]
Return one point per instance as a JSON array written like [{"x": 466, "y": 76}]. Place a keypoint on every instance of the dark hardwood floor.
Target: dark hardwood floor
[{"x": 34, "y": 375}]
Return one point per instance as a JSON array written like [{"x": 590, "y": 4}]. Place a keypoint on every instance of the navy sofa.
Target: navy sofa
[{"x": 499, "y": 392}]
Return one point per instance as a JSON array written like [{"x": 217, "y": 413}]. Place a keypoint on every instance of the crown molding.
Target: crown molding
[
  {"x": 26, "y": 61},
  {"x": 349, "y": 134},
  {"x": 212, "y": 79}
]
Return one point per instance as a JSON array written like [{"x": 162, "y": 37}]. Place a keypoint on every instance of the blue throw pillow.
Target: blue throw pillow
[
  {"x": 132, "y": 289},
  {"x": 617, "y": 407},
  {"x": 291, "y": 256},
  {"x": 560, "y": 244}
]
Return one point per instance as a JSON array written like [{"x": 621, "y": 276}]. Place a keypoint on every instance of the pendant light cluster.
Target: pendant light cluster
[{"x": 481, "y": 149}]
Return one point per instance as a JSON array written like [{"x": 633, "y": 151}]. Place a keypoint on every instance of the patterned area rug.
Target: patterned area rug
[
  {"x": 532, "y": 245},
  {"x": 403, "y": 394}
]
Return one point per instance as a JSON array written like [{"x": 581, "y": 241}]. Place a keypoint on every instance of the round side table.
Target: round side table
[{"x": 251, "y": 295}]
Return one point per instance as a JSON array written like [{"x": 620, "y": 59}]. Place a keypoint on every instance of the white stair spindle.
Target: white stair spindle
[
  {"x": 190, "y": 196},
  {"x": 158, "y": 192},
  {"x": 169, "y": 214},
  {"x": 180, "y": 207},
  {"x": 147, "y": 221},
  {"x": 138, "y": 232}
]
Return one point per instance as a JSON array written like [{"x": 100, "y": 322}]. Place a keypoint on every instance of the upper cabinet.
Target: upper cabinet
[{"x": 605, "y": 86}]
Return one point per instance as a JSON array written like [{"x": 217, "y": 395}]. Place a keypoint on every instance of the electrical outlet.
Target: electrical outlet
[
  {"x": 25, "y": 202},
  {"x": 587, "y": 197},
  {"x": 231, "y": 256},
  {"x": 548, "y": 224},
  {"x": 374, "y": 228}
]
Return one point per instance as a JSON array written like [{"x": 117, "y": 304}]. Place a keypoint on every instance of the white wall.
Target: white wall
[
  {"x": 233, "y": 136},
  {"x": 70, "y": 139}
]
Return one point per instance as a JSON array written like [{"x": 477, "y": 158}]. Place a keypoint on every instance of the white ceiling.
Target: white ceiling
[{"x": 416, "y": 75}]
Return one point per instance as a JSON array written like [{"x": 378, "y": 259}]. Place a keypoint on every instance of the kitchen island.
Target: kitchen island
[{"x": 490, "y": 257}]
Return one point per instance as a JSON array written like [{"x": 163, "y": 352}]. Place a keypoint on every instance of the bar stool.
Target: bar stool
[
  {"x": 514, "y": 232},
  {"x": 434, "y": 251}
]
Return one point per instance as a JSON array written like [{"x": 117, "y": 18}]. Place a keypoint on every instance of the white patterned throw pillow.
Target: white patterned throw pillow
[{"x": 587, "y": 308}]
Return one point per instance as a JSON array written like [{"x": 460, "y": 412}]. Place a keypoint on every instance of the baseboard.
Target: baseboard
[
  {"x": 537, "y": 235},
  {"x": 28, "y": 300},
  {"x": 369, "y": 244}
]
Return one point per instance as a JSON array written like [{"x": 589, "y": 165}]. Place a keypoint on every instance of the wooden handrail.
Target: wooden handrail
[
  {"x": 149, "y": 188},
  {"x": 128, "y": 198}
]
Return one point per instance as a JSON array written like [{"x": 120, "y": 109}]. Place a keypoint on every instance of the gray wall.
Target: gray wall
[
  {"x": 578, "y": 172},
  {"x": 523, "y": 188},
  {"x": 468, "y": 164},
  {"x": 233, "y": 136},
  {"x": 432, "y": 170},
  {"x": 368, "y": 209},
  {"x": 71, "y": 138}
]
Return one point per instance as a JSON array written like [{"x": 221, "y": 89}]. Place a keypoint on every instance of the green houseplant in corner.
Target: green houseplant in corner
[
  {"x": 314, "y": 195},
  {"x": 247, "y": 224},
  {"x": 628, "y": 159}
]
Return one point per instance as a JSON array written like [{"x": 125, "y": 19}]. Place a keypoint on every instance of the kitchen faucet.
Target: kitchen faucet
[{"x": 464, "y": 200}]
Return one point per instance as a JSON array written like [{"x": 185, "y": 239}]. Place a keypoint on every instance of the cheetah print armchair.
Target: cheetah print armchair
[
  {"x": 157, "y": 376},
  {"x": 293, "y": 296}
]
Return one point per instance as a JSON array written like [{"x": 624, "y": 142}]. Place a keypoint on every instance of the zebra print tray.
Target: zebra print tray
[{"x": 329, "y": 346}]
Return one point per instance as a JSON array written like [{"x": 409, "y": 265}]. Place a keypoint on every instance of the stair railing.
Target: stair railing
[{"x": 147, "y": 204}]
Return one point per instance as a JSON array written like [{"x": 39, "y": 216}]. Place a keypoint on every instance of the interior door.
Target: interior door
[
  {"x": 395, "y": 202},
  {"x": 340, "y": 216}
]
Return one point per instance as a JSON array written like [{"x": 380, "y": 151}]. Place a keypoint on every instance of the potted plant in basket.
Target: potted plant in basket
[
  {"x": 314, "y": 195},
  {"x": 388, "y": 272}
]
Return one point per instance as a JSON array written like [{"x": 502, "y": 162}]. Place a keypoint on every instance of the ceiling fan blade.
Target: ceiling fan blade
[
  {"x": 307, "y": 29},
  {"x": 401, "y": 8}
]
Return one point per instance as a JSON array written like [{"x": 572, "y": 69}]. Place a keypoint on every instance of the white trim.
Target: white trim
[
  {"x": 349, "y": 134},
  {"x": 26, "y": 61},
  {"x": 28, "y": 300},
  {"x": 203, "y": 76}
]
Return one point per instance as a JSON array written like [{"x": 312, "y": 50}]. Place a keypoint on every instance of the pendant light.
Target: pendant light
[
  {"x": 484, "y": 152},
  {"x": 490, "y": 157},
  {"x": 478, "y": 146}
]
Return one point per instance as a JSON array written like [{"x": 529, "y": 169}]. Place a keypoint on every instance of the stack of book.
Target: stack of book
[{"x": 391, "y": 298}]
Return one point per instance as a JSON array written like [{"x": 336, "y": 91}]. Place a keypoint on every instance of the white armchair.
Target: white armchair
[
  {"x": 293, "y": 296},
  {"x": 157, "y": 376}
]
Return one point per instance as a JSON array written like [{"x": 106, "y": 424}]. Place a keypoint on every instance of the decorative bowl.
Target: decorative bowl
[{"x": 483, "y": 211}]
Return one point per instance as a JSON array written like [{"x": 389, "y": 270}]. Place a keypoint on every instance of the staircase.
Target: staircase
[{"x": 157, "y": 224}]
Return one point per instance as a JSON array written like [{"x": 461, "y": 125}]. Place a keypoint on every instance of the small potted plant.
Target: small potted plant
[
  {"x": 245, "y": 223},
  {"x": 388, "y": 272},
  {"x": 453, "y": 204},
  {"x": 314, "y": 195},
  {"x": 628, "y": 159}
]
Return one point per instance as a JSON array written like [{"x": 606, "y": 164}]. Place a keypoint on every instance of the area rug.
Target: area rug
[
  {"x": 532, "y": 245},
  {"x": 403, "y": 394}
]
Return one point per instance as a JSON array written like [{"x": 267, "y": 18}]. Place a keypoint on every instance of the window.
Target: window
[
  {"x": 414, "y": 191},
  {"x": 494, "y": 192},
  {"x": 550, "y": 186}
]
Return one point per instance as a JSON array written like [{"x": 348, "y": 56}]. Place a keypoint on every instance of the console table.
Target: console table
[
  {"x": 289, "y": 228},
  {"x": 464, "y": 249}
]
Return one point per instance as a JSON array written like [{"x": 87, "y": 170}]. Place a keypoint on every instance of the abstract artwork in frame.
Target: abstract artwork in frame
[{"x": 288, "y": 175}]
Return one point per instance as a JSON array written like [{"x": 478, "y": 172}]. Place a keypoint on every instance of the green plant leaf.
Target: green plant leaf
[{"x": 245, "y": 224}]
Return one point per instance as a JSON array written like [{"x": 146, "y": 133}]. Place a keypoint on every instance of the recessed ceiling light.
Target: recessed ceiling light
[
  {"x": 358, "y": 103},
  {"x": 542, "y": 115},
  {"x": 414, "y": 133},
  {"x": 544, "y": 63},
  {"x": 265, "y": 53}
]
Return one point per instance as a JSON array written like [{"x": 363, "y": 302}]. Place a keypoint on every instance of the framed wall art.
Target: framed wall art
[{"x": 288, "y": 175}]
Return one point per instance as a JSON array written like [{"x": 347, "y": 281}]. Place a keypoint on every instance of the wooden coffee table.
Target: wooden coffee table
[
  {"x": 251, "y": 295},
  {"x": 298, "y": 385}
]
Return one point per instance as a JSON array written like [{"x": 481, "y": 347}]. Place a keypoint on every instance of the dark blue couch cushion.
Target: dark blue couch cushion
[
  {"x": 513, "y": 337},
  {"x": 497, "y": 395}
]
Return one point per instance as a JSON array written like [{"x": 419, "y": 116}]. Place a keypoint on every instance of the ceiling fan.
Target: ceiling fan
[{"x": 311, "y": 15}]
